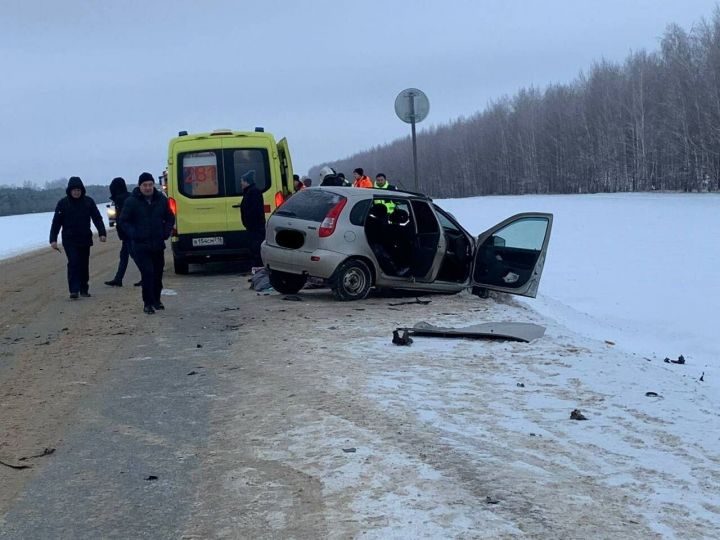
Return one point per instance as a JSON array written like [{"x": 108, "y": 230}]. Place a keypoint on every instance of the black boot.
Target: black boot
[
  {"x": 114, "y": 283},
  {"x": 138, "y": 284},
  {"x": 149, "y": 310}
]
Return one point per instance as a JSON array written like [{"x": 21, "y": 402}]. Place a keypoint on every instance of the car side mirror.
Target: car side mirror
[{"x": 498, "y": 241}]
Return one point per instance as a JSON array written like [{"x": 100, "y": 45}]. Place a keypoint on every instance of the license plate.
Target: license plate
[{"x": 208, "y": 241}]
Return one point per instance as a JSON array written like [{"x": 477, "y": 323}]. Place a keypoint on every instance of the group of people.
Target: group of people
[
  {"x": 329, "y": 177},
  {"x": 144, "y": 222}
]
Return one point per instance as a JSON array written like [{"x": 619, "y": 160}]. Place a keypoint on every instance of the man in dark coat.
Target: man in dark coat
[
  {"x": 252, "y": 214},
  {"x": 73, "y": 214},
  {"x": 118, "y": 195},
  {"x": 147, "y": 221}
]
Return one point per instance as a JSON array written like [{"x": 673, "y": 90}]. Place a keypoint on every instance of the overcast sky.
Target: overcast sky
[{"x": 97, "y": 88}]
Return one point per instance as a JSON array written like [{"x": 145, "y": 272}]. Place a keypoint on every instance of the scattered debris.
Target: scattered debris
[
  {"x": 351, "y": 450},
  {"x": 45, "y": 452},
  {"x": 652, "y": 394},
  {"x": 405, "y": 339},
  {"x": 520, "y": 385},
  {"x": 680, "y": 360},
  {"x": 260, "y": 280},
  {"x": 292, "y": 298},
  {"x": 332, "y": 327},
  {"x": 609, "y": 342},
  {"x": 18, "y": 467},
  {"x": 151, "y": 478},
  {"x": 416, "y": 301},
  {"x": 198, "y": 346},
  {"x": 577, "y": 415},
  {"x": 702, "y": 377},
  {"x": 513, "y": 331},
  {"x": 193, "y": 372},
  {"x": 491, "y": 500},
  {"x": 230, "y": 309}
]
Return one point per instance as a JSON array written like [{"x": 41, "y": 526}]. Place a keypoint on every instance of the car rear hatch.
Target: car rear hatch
[{"x": 299, "y": 223}]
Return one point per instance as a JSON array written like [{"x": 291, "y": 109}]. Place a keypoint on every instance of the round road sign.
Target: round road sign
[{"x": 412, "y": 105}]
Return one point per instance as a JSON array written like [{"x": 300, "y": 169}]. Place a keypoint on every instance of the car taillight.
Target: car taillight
[
  {"x": 327, "y": 227},
  {"x": 173, "y": 206},
  {"x": 279, "y": 199}
]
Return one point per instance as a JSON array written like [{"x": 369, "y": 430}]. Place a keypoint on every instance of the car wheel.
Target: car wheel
[
  {"x": 286, "y": 283},
  {"x": 181, "y": 266},
  {"x": 352, "y": 280}
]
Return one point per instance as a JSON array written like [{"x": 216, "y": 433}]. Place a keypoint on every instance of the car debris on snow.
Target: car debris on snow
[
  {"x": 577, "y": 415},
  {"x": 680, "y": 360},
  {"x": 513, "y": 331},
  {"x": 403, "y": 339}
]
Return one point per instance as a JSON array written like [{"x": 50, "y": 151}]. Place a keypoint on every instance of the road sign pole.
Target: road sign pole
[
  {"x": 414, "y": 143},
  {"x": 412, "y": 106},
  {"x": 411, "y": 100}
]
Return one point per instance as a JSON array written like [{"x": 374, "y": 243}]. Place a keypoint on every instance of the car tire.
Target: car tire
[
  {"x": 286, "y": 283},
  {"x": 352, "y": 280},
  {"x": 181, "y": 266}
]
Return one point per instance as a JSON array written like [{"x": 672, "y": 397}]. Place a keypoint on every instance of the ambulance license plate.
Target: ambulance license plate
[{"x": 208, "y": 241}]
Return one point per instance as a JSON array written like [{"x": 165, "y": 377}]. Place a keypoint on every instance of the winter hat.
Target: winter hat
[
  {"x": 146, "y": 177},
  {"x": 74, "y": 182},
  {"x": 117, "y": 186},
  {"x": 249, "y": 176}
]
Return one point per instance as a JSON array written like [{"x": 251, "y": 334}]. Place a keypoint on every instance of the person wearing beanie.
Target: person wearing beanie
[
  {"x": 361, "y": 181},
  {"x": 73, "y": 215},
  {"x": 118, "y": 195},
  {"x": 252, "y": 214},
  {"x": 147, "y": 221}
]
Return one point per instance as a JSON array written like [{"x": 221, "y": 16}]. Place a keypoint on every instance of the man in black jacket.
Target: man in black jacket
[
  {"x": 118, "y": 195},
  {"x": 252, "y": 214},
  {"x": 73, "y": 214},
  {"x": 147, "y": 221}
]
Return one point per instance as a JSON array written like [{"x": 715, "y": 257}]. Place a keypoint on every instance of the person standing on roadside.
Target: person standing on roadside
[
  {"x": 361, "y": 181},
  {"x": 252, "y": 214},
  {"x": 73, "y": 214},
  {"x": 147, "y": 221},
  {"x": 118, "y": 195}
]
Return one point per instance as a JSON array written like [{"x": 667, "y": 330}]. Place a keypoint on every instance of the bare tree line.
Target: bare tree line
[{"x": 652, "y": 122}]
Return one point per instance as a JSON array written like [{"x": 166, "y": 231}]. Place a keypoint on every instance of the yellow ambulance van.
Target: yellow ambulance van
[{"x": 203, "y": 187}]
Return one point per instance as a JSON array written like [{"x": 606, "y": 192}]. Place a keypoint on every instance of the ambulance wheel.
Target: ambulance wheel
[
  {"x": 286, "y": 283},
  {"x": 352, "y": 280},
  {"x": 181, "y": 266}
]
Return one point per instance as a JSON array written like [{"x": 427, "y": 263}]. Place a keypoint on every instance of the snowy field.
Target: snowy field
[
  {"x": 29, "y": 231},
  {"x": 640, "y": 270}
]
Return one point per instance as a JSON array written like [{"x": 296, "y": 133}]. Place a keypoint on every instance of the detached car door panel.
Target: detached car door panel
[{"x": 510, "y": 256}]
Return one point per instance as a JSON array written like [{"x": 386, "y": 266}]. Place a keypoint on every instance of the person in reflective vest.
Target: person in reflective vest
[{"x": 382, "y": 183}]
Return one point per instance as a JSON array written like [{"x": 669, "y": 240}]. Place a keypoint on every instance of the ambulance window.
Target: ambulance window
[
  {"x": 199, "y": 174},
  {"x": 247, "y": 161}
]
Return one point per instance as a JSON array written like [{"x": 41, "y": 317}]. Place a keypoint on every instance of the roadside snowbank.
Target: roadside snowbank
[{"x": 27, "y": 232}]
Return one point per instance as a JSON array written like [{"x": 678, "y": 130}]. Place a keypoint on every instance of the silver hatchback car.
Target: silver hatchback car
[{"x": 356, "y": 239}]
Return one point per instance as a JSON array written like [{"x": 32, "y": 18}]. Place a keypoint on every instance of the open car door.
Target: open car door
[
  {"x": 510, "y": 256},
  {"x": 286, "y": 169}
]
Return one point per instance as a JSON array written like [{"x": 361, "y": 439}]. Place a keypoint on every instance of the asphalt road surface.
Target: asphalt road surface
[{"x": 238, "y": 415}]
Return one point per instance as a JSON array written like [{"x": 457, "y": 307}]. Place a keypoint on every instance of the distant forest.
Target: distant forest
[
  {"x": 30, "y": 199},
  {"x": 650, "y": 123}
]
